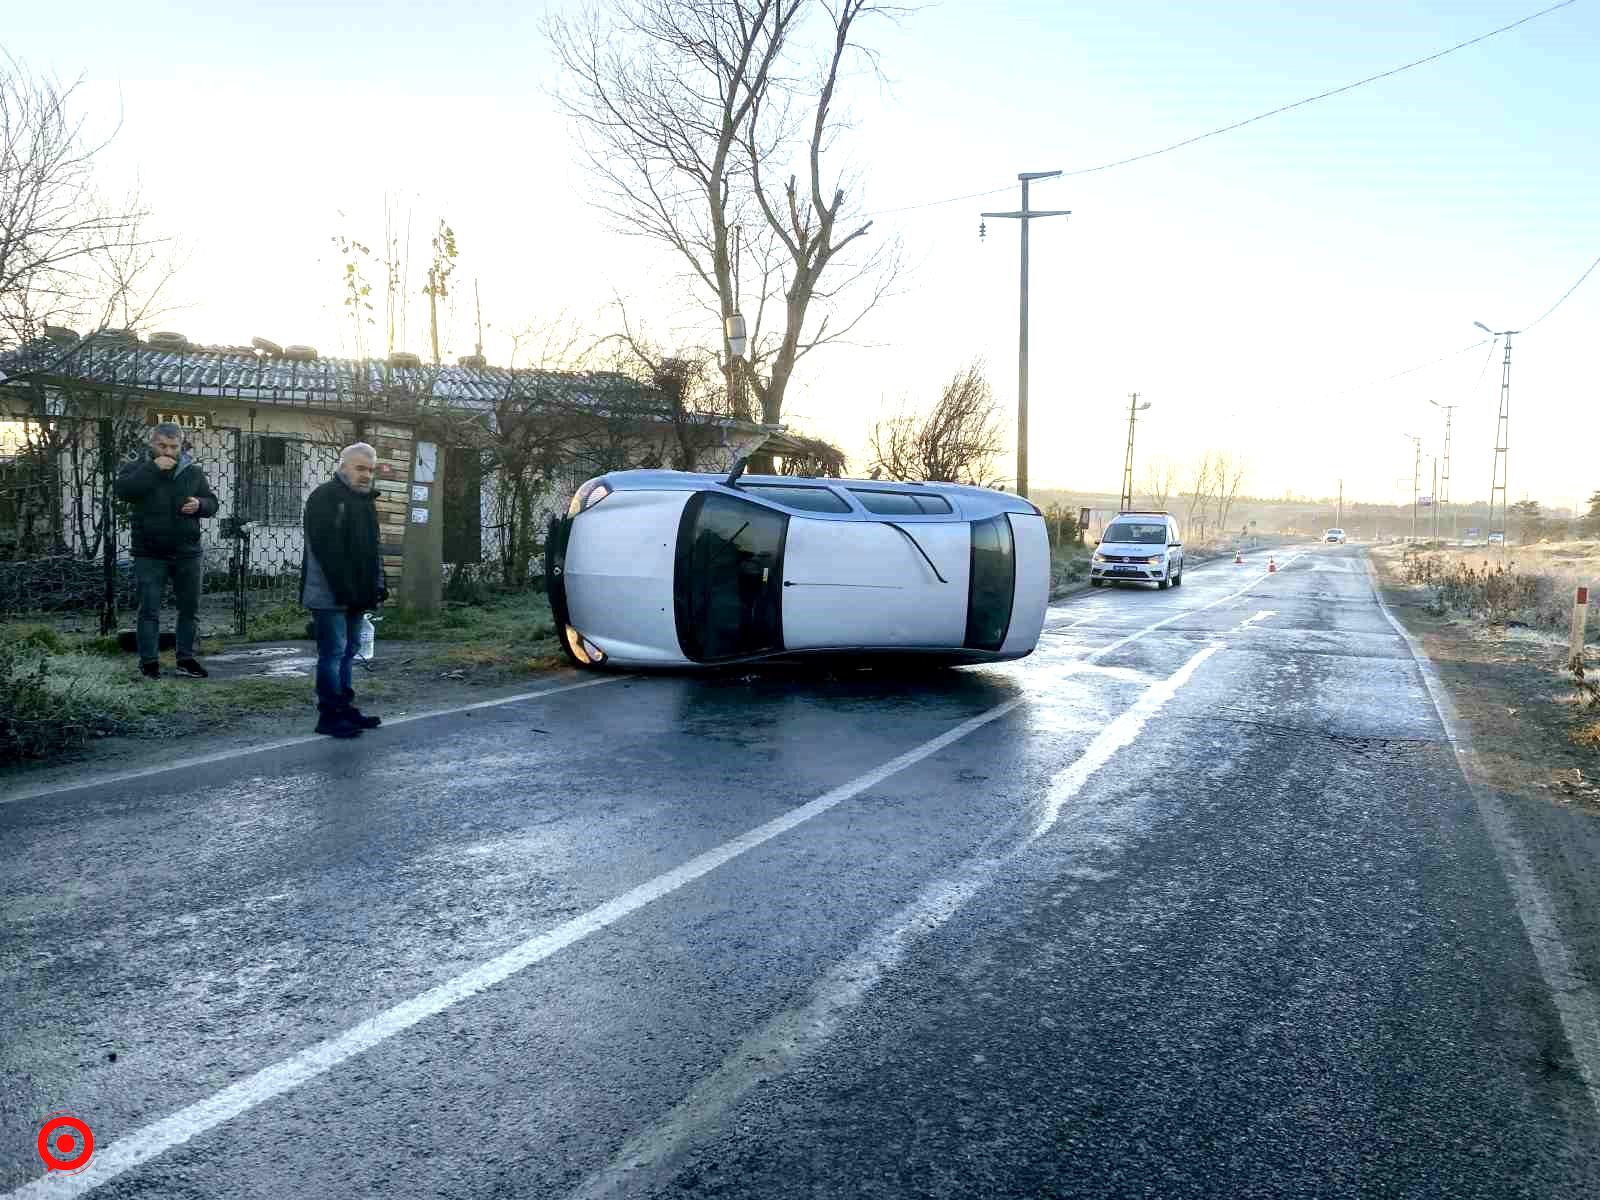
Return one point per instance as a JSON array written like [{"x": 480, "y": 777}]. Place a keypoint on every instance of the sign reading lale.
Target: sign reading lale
[{"x": 183, "y": 420}]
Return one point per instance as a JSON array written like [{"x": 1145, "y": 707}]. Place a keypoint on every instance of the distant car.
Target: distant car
[
  {"x": 1334, "y": 535},
  {"x": 1139, "y": 548},
  {"x": 681, "y": 569}
]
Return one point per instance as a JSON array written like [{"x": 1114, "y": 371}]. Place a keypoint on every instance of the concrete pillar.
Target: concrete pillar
[{"x": 422, "y": 581}]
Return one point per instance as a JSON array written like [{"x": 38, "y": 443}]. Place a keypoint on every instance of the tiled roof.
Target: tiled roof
[
  {"x": 344, "y": 385},
  {"x": 336, "y": 383}
]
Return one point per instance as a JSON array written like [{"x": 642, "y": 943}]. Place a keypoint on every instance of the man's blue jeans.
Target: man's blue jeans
[
  {"x": 151, "y": 575},
  {"x": 338, "y": 639}
]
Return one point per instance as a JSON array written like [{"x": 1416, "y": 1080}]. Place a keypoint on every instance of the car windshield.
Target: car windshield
[{"x": 1140, "y": 533}]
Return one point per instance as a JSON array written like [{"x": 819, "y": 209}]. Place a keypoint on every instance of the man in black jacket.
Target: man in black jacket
[
  {"x": 341, "y": 577},
  {"x": 170, "y": 497}
]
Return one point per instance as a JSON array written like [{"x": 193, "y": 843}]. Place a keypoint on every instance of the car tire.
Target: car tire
[
  {"x": 1164, "y": 582},
  {"x": 1177, "y": 580},
  {"x": 1097, "y": 583}
]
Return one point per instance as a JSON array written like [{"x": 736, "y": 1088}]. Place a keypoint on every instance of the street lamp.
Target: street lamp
[
  {"x": 733, "y": 329},
  {"x": 1134, "y": 409}
]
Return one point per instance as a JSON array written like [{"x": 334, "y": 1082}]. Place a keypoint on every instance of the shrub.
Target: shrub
[{"x": 35, "y": 721}]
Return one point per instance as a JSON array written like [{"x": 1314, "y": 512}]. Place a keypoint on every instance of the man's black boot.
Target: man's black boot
[
  {"x": 356, "y": 715},
  {"x": 336, "y": 722}
]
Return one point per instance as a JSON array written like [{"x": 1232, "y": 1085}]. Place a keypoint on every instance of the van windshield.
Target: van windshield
[{"x": 1140, "y": 533}]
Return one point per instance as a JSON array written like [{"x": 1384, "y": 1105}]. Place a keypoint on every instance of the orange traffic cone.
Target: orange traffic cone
[
  {"x": 1238, "y": 555},
  {"x": 1272, "y": 567}
]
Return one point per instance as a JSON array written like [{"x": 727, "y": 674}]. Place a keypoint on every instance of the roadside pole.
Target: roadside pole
[{"x": 1580, "y": 618}]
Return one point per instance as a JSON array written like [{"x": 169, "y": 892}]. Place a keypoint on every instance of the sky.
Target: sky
[{"x": 1259, "y": 289}]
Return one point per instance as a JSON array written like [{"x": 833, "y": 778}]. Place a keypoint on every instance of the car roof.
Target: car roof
[{"x": 975, "y": 501}]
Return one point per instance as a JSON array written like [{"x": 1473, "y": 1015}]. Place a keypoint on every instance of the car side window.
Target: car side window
[
  {"x": 900, "y": 504},
  {"x": 806, "y": 499}
]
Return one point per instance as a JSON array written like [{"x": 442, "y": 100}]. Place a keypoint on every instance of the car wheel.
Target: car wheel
[
  {"x": 1177, "y": 580},
  {"x": 1164, "y": 582},
  {"x": 1097, "y": 583}
]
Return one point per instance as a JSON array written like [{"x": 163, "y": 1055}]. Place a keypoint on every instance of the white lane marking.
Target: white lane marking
[
  {"x": 776, "y": 1047},
  {"x": 1249, "y": 621},
  {"x": 1575, "y": 1000},
  {"x": 144, "y": 1144},
  {"x": 1178, "y": 616},
  {"x": 1114, "y": 737},
  {"x": 200, "y": 760}
]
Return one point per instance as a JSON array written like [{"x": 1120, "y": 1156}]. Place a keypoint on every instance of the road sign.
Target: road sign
[
  {"x": 1474, "y": 532},
  {"x": 1425, "y": 501}
]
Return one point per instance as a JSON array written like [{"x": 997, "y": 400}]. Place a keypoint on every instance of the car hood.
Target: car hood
[{"x": 1130, "y": 549}]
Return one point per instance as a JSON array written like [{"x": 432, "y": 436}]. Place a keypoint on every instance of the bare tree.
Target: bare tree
[
  {"x": 1160, "y": 478},
  {"x": 1229, "y": 475},
  {"x": 957, "y": 441},
  {"x": 689, "y": 113},
  {"x": 57, "y": 234},
  {"x": 1195, "y": 496}
]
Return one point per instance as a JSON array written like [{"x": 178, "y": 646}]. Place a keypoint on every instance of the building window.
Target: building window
[{"x": 273, "y": 486}]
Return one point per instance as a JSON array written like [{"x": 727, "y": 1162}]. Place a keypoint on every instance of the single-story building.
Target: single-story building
[{"x": 471, "y": 458}]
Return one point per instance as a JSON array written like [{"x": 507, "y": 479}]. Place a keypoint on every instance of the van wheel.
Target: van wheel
[
  {"x": 1177, "y": 580},
  {"x": 1097, "y": 583},
  {"x": 1164, "y": 583}
]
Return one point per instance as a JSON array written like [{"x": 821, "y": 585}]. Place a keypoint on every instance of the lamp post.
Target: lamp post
[
  {"x": 1023, "y": 216},
  {"x": 1134, "y": 409},
  {"x": 1497, "y": 483}
]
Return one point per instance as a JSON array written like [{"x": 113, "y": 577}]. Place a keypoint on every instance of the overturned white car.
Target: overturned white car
[{"x": 680, "y": 569}]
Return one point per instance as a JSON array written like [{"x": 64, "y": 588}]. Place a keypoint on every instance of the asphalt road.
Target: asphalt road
[{"x": 1195, "y": 901}]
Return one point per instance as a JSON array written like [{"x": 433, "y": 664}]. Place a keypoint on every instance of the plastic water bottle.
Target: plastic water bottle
[{"x": 369, "y": 637}]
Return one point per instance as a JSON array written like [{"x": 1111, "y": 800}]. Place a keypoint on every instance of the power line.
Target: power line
[
  {"x": 1410, "y": 370},
  {"x": 1564, "y": 295},
  {"x": 1487, "y": 359},
  {"x": 1122, "y": 162}
]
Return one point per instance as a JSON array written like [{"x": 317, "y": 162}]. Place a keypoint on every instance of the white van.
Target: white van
[{"x": 1139, "y": 547}]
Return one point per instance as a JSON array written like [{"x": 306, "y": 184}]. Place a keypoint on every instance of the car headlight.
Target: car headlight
[
  {"x": 1154, "y": 559},
  {"x": 587, "y": 496},
  {"x": 1098, "y": 557}
]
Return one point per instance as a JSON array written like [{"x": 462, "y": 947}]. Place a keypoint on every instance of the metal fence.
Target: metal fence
[{"x": 65, "y": 540}]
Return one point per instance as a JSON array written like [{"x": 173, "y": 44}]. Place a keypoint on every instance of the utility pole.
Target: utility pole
[
  {"x": 1416, "y": 481},
  {"x": 1497, "y": 484},
  {"x": 1024, "y": 215},
  {"x": 1134, "y": 408},
  {"x": 433, "y": 317},
  {"x": 477, "y": 304},
  {"x": 1435, "y": 497},
  {"x": 1444, "y": 478}
]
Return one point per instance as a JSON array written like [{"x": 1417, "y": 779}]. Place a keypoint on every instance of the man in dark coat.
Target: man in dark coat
[
  {"x": 341, "y": 577},
  {"x": 170, "y": 497}
]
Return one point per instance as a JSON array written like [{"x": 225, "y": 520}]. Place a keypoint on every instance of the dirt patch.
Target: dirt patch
[{"x": 1524, "y": 712}]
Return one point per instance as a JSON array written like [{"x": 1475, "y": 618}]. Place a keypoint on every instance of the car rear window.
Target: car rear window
[
  {"x": 1139, "y": 533},
  {"x": 807, "y": 499},
  {"x": 900, "y": 504}
]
